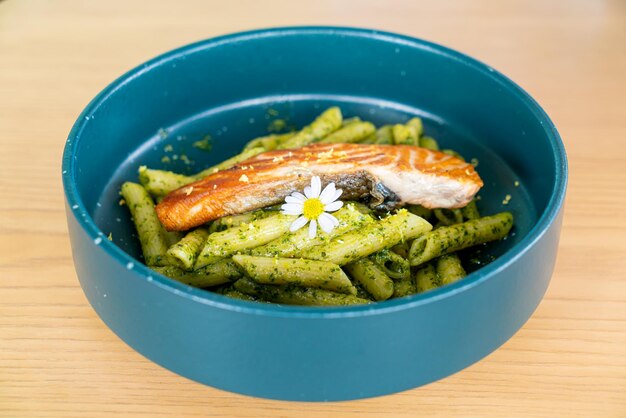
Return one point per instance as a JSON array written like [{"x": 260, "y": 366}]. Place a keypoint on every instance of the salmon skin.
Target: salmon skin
[{"x": 386, "y": 176}]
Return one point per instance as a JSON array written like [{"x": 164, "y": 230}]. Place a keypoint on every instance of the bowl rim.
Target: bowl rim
[{"x": 77, "y": 208}]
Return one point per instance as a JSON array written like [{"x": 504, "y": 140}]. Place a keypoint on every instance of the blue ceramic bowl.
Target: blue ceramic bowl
[{"x": 232, "y": 87}]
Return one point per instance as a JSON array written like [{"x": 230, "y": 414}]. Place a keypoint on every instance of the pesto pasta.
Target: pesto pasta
[
  {"x": 296, "y": 295},
  {"x": 449, "y": 269},
  {"x": 243, "y": 237},
  {"x": 360, "y": 254},
  {"x": 371, "y": 277},
  {"x": 394, "y": 265},
  {"x": 185, "y": 252},
  {"x": 448, "y": 239},
  {"x": 305, "y": 273},
  {"x": 297, "y": 243},
  {"x": 151, "y": 232},
  {"x": 387, "y": 232},
  {"x": 426, "y": 278},
  {"x": 215, "y": 274},
  {"x": 352, "y": 132},
  {"x": 326, "y": 123}
]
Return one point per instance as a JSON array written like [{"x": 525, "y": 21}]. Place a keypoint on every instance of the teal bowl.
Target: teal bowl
[{"x": 233, "y": 87}]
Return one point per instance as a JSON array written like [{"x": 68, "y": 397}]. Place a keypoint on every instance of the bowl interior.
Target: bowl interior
[{"x": 234, "y": 88}]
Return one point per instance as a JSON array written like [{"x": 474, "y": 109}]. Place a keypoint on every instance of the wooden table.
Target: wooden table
[{"x": 58, "y": 359}]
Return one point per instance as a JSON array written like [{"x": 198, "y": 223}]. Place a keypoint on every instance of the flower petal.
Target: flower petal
[
  {"x": 326, "y": 222},
  {"x": 298, "y": 223},
  {"x": 291, "y": 213},
  {"x": 331, "y": 207},
  {"x": 327, "y": 194},
  {"x": 307, "y": 192},
  {"x": 295, "y": 199},
  {"x": 338, "y": 193},
  {"x": 316, "y": 186},
  {"x": 292, "y": 208},
  {"x": 299, "y": 196},
  {"x": 312, "y": 229}
]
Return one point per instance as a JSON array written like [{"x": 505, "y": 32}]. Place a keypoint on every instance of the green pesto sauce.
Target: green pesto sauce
[{"x": 204, "y": 144}]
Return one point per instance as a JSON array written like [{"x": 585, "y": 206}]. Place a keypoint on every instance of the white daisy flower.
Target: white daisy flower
[{"x": 313, "y": 206}]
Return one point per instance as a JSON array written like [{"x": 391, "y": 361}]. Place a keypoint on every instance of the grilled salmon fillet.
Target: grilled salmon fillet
[{"x": 387, "y": 176}]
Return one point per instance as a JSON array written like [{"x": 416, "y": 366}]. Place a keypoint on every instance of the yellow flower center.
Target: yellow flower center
[{"x": 313, "y": 208}]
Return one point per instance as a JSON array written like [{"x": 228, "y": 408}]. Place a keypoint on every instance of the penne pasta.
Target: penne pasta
[
  {"x": 355, "y": 257},
  {"x": 429, "y": 143},
  {"x": 295, "y": 295},
  {"x": 295, "y": 244},
  {"x": 230, "y": 221},
  {"x": 371, "y": 277},
  {"x": 224, "y": 271},
  {"x": 160, "y": 182},
  {"x": 150, "y": 231},
  {"x": 449, "y": 269},
  {"x": 352, "y": 132},
  {"x": 329, "y": 121},
  {"x": 185, "y": 252},
  {"x": 305, "y": 273},
  {"x": 399, "y": 227},
  {"x": 394, "y": 265},
  {"x": 449, "y": 239},
  {"x": 426, "y": 278},
  {"x": 243, "y": 237},
  {"x": 448, "y": 217},
  {"x": 269, "y": 142},
  {"x": 470, "y": 211}
]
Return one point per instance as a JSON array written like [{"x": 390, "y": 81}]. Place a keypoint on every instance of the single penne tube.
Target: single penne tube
[
  {"x": 402, "y": 249},
  {"x": 160, "y": 182},
  {"x": 370, "y": 238},
  {"x": 295, "y": 295},
  {"x": 429, "y": 143},
  {"x": 448, "y": 239},
  {"x": 305, "y": 273},
  {"x": 150, "y": 231},
  {"x": 402, "y": 135},
  {"x": 352, "y": 132},
  {"x": 172, "y": 237},
  {"x": 404, "y": 287},
  {"x": 420, "y": 210},
  {"x": 470, "y": 211},
  {"x": 224, "y": 271},
  {"x": 371, "y": 277},
  {"x": 268, "y": 142},
  {"x": 449, "y": 268},
  {"x": 185, "y": 252},
  {"x": 407, "y": 134},
  {"x": 416, "y": 125},
  {"x": 383, "y": 135},
  {"x": 329, "y": 121},
  {"x": 296, "y": 243},
  {"x": 236, "y": 294},
  {"x": 448, "y": 217},
  {"x": 426, "y": 278},
  {"x": 230, "y": 221},
  {"x": 394, "y": 265},
  {"x": 243, "y": 237},
  {"x": 351, "y": 120}
]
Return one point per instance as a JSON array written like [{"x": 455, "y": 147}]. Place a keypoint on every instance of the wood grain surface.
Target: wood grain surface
[{"x": 58, "y": 359}]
